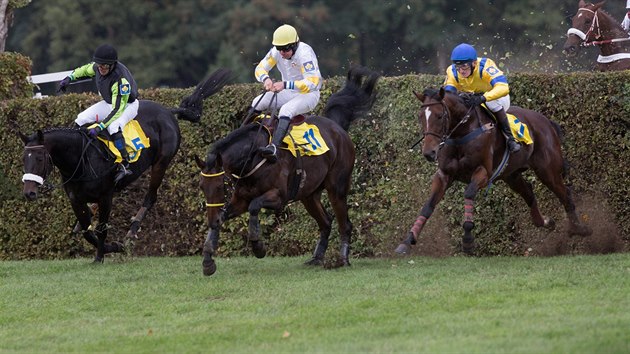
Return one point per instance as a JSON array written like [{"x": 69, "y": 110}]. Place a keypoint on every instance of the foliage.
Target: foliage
[
  {"x": 173, "y": 43},
  {"x": 14, "y": 68},
  {"x": 277, "y": 305},
  {"x": 390, "y": 183}
]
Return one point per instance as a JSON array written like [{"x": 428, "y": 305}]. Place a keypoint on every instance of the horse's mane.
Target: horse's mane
[
  {"x": 354, "y": 99},
  {"x": 235, "y": 135}
]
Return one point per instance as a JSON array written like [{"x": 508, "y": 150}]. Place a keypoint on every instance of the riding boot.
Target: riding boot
[
  {"x": 269, "y": 151},
  {"x": 123, "y": 166},
  {"x": 502, "y": 119}
]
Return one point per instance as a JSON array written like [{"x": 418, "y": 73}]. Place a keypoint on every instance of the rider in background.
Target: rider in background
[
  {"x": 298, "y": 92},
  {"x": 626, "y": 19},
  {"x": 481, "y": 76},
  {"x": 119, "y": 91}
]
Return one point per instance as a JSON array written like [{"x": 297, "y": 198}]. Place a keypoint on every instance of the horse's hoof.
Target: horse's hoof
[
  {"x": 468, "y": 247},
  {"x": 314, "y": 262},
  {"x": 77, "y": 228},
  {"x": 402, "y": 249},
  {"x": 258, "y": 247},
  {"x": 98, "y": 260},
  {"x": 549, "y": 223},
  {"x": 209, "y": 267},
  {"x": 132, "y": 235}
]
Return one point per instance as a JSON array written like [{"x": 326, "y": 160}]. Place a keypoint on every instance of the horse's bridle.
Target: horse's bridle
[
  {"x": 584, "y": 36},
  {"x": 446, "y": 120},
  {"x": 48, "y": 166},
  {"x": 225, "y": 188}
]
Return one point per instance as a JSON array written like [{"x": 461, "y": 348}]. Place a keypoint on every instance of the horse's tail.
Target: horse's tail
[
  {"x": 354, "y": 99},
  {"x": 565, "y": 163},
  {"x": 191, "y": 107}
]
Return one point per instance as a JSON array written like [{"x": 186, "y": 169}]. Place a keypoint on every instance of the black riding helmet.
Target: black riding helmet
[{"x": 105, "y": 54}]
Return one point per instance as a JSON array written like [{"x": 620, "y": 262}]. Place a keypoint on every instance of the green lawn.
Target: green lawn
[{"x": 573, "y": 304}]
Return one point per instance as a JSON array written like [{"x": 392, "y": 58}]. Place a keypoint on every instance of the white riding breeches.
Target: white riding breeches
[
  {"x": 291, "y": 103},
  {"x": 499, "y": 103},
  {"x": 100, "y": 110}
]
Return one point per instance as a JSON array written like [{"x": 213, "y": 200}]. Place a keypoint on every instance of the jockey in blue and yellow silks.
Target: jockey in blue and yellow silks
[
  {"x": 481, "y": 76},
  {"x": 298, "y": 92}
]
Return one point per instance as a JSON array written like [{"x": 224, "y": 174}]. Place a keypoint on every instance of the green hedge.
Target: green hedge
[
  {"x": 14, "y": 69},
  {"x": 390, "y": 182}
]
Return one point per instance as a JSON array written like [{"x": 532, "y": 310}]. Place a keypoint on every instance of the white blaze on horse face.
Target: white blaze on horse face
[{"x": 427, "y": 114}]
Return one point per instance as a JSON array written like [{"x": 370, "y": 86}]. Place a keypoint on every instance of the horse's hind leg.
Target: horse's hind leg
[
  {"x": 315, "y": 208},
  {"x": 553, "y": 179},
  {"x": 518, "y": 184},
  {"x": 338, "y": 196},
  {"x": 157, "y": 175}
]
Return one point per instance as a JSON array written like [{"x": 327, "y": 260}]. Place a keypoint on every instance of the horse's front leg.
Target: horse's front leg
[
  {"x": 439, "y": 184},
  {"x": 84, "y": 220},
  {"x": 478, "y": 180},
  {"x": 269, "y": 200},
  {"x": 216, "y": 217}
]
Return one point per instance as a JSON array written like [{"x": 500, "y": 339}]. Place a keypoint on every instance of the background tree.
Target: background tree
[
  {"x": 175, "y": 43},
  {"x": 6, "y": 18}
]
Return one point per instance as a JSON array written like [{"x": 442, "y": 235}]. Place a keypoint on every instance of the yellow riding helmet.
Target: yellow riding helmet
[{"x": 284, "y": 35}]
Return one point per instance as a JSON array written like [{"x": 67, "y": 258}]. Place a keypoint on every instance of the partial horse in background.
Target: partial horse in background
[
  {"x": 592, "y": 26},
  {"x": 257, "y": 184},
  {"x": 468, "y": 148},
  {"x": 87, "y": 168}
]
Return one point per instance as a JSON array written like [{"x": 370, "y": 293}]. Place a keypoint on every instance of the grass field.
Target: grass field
[{"x": 569, "y": 304}]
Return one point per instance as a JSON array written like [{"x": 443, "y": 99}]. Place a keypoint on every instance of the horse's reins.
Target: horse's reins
[
  {"x": 40, "y": 180},
  {"x": 595, "y": 26},
  {"x": 446, "y": 113},
  {"x": 257, "y": 167}
]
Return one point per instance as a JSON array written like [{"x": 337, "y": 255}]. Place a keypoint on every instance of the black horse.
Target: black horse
[
  {"x": 258, "y": 184},
  {"x": 88, "y": 170}
]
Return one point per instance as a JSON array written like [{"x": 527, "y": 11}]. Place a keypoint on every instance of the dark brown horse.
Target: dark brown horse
[
  {"x": 593, "y": 26},
  {"x": 87, "y": 170},
  {"x": 469, "y": 149},
  {"x": 259, "y": 184}
]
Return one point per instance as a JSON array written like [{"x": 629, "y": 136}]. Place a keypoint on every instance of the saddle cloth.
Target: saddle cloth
[
  {"x": 135, "y": 141},
  {"x": 520, "y": 130},
  {"x": 307, "y": 138}
]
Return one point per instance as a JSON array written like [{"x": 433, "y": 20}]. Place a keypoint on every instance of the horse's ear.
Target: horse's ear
[
  {"x": 581, "y": 4},
  {"x": 22, "y": 137},
  {"x": 40, "y": 136},
  {"x": 598, "y": 5},
  {"x": 418, "y": 96},
  {"x": 199, "y": 161}
]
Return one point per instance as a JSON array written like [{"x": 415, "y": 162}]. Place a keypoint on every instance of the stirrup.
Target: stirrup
[
  {"x": 269, "y": 150},
  {"x": 122, "y": 172},
  {"x": 513, "y": 146}
]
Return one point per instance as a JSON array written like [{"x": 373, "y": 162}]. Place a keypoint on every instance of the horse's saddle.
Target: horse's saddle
[
  {"x": 520, "y": 130},
  {"x": 135, "y": 141},
  {"x": 302, "y": 136}
]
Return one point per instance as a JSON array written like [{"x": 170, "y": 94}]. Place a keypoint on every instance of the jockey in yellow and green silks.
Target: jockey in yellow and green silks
[{"x": 120, "y": 102}]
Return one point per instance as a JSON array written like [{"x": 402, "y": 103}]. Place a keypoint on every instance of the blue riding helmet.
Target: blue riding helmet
[{"x": 463, "y": 53}]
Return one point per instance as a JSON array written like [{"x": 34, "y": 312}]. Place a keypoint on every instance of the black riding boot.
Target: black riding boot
[
  {"x": 269, "y": 151},
  {"x": 123, "y": 166},
  {"x": 502, "y": 119}
]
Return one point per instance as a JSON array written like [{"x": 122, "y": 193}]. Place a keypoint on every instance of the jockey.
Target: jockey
[
  {"x": 120, "y": 102},
  {"x": 626, "y": 19},
  {"x": 480, "y": 76},
  {"x": 298, "y": 92}
]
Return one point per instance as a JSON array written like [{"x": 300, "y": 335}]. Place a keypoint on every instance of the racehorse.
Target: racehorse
[
  {"x": 258, "y": 184},
  {"x": 593, "y": 26},
  {"x": 88, "y": 170},
  {"x": 469, "y": 149}
]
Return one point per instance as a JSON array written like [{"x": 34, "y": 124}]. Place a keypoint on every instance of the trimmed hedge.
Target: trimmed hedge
[{"x": 390, "y": 182}]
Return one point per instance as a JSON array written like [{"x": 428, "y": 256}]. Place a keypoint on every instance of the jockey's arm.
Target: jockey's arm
[{"x": 85, "y": 71}]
